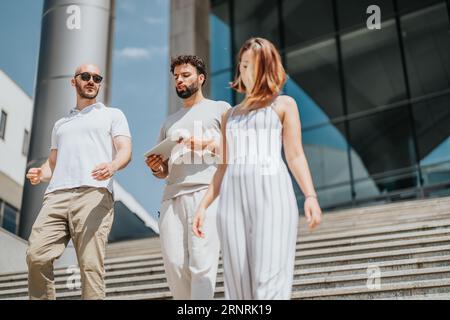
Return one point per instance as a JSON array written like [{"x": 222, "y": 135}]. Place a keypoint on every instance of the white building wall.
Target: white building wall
[{"x": 19, "y": 108}]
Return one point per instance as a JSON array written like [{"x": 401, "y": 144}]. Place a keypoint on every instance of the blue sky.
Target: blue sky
[{"x": 140, "y": 80}]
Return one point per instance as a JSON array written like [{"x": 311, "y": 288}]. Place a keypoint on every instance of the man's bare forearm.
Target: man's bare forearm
[
  {"x": 122, "y": 159},
  {"x": 47, "y": 172}
]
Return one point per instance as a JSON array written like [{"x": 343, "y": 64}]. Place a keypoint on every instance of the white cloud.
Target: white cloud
[
  {"x": 136, "y": 53},
  {"x": 154, "y": 20},
  {"x": 133, "y": 53}
]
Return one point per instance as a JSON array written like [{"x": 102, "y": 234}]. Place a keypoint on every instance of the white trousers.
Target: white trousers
[{"x": 190, "y": 262}]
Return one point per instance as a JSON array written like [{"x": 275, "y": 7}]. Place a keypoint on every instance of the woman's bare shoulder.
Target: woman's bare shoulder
[
  {"x": 285, "y": 105},
  {"x": 286, "y": 102}
]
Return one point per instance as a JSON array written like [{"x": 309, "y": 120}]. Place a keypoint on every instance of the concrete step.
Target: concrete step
[
  {"x": 346, "y": 234},
  {"x": 317, "y": 244},
  {"x": 445, "y": 231},
  {"x": 409, "y": 242},
  {"x": 148, "y": 275},
  {"x": 302, "y": 261},
  {"x": 349, "y": 238},
  {"x": 152, "y": 245},
  {"x": 385, "y": 266},
  {"x": 386, "y": 291},
  {"x": 326, "y": 229},
  {"x": 400, "y": 214},
  {"x": 361, "y": 279},
  {"x": 339, "y": 220},
  {"x": 439, "y": 260},
  {"x": 373, "y": 257},
  {"x": 332, "y": 252},
  {"x": 386, "y": 232},
  {"x": 355, "y": 269},
  {"x": 436, "y": 204},
  {"x": 375, "y": 247},
  {"x": 302, "y": 282},
  {"x": 435, "y": 296},
  {"x": 343, "y": 250},
  {"x": 142, "y": 296}
]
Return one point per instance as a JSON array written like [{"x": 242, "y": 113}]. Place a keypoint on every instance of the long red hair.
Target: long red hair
[{"x": 269, "y": 73}]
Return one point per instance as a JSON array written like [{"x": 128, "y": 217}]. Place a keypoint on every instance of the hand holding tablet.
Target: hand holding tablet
[{"x": 164, "y": 148}]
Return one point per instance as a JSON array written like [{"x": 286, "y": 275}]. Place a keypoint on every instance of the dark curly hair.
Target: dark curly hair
[{"x": 193, "y": 60}]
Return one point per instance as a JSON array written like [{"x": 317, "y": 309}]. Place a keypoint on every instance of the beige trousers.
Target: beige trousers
[
  {"x": 190, "y": 262},
  {"x": 84, "y": 215}
]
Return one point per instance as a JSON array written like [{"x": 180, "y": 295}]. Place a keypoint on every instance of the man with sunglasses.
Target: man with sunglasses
[{"x": 87, "y": 148}]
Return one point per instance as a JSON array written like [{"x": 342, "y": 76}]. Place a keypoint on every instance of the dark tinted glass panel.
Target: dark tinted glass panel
[
  {"x": 307, "y": 20},
  {"x": 220, "y": 38},
  {"x": 427, "y": 48},
  {"x": 432, "y": 120},
  {"x": 373, "y": 69},
  {"x": 3, "y": 117},
  {"x": 314, "y": 81},
  {"x": 256, "y": 18},
  {"x": 408, "y": 6},
  {"x": 382, "y": 147},
  {"x": 26, "y": 142},
  {"x": 9, "y": 218},
  {"x": 220, "y": 88}
]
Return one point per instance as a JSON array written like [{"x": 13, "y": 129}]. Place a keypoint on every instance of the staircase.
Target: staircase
[{"x": 390, "y": 251}]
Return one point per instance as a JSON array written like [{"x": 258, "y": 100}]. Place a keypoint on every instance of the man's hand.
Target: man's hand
[
  {"x": 194, "y": 144},
  {"x": 199, "y": 144},
  {"x": 154, "y": 162},
  {"x": 103, "y": 171},
  {"x": 34, "y": 175}
]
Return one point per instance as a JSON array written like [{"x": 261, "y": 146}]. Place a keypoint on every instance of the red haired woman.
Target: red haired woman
[{"x": 258, "y": 214}]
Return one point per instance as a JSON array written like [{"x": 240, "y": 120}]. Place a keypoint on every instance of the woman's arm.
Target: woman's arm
[
  {"x": 214, "y": 186},
  {"x": 296, "y": 159}
]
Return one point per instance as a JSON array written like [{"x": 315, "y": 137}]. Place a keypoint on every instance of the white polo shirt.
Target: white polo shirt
[{"x": 84, "y": 139}]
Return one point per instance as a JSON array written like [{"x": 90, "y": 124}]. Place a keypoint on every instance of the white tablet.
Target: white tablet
[{"x": 164, "y": 148}]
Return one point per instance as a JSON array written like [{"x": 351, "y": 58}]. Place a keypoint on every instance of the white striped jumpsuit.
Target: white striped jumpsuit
[{"x": 257, "y": 214}]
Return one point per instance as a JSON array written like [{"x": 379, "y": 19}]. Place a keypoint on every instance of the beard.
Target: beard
[
  {"x": 189, "y": 91},
  {"x": 84, "y": 94}
]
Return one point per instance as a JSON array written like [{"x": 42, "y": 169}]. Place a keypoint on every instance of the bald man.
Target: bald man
[{"x": 88, "y": 146}]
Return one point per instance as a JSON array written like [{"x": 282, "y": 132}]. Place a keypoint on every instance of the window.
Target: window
[
  {"x": 9, "y": 218},
  {"x": 25, "y": 143},
  {"x": 220, "y": 35},
  {"x": 431, "y": 119},
  {"x": 3, "y": 125},
  {"x": 427, "y": 45},
  {"x": 371, "y": 58},
  {"x": 382, "y": 153}
]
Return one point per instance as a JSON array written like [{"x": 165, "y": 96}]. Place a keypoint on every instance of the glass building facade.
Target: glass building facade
[{"x": 374, "y": 103}]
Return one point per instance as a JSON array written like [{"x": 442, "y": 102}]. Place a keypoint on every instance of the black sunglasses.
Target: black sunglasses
[{"x": 86, "y": 76}]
